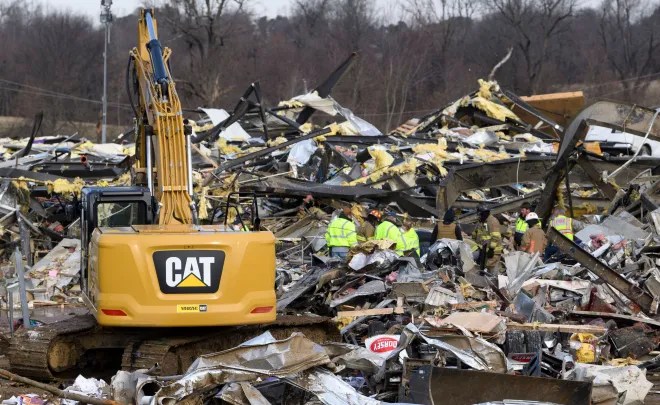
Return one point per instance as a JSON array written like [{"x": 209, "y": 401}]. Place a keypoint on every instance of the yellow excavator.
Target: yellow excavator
[
  {"x": 147, "y": 268},
  {"x": 148, "y": 263}
]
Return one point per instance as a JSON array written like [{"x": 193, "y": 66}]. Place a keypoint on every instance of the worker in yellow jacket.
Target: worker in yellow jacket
[
  {"x": 562, "y": 223},
  {"x": 368, "y": 228},
  {"x": 388, "y": 230},
  {"x": 488, "y": 236},
  {"x": 411, "y": 237},
  {"x": 567, "y": 226},
  {"x": 521, "y": 223},
  {"x": 341, "y": 234}
]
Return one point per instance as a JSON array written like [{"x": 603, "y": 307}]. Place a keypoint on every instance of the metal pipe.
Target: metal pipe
[
  {"x": 25, "y": 239},
  {"x": 190, "y": 167},
  {"x": 568, "y": 192},
  {"x": 150, "y": 182},
  {"x": 106, "y": 19},
  {"x": 105, "y": 83},
  {"x": 10, "y": 310},
  {"x": 18, "y": 258},
  {"x": 193, "y": 211}
]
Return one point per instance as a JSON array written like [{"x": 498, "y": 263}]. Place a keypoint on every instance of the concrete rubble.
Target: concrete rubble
[{"x": 576, "y": 328}]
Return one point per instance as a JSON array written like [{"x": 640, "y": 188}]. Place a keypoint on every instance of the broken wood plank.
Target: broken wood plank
[
  {"x": 481, "y": 322},
  {"x": 55, "y": 391},
  {"x": 369, "y": 312},
  {"x": 563, "y": 328},
  {"x": 205, "y": 158},
  {"x": 472, "y": 305},
  {"x": 608, "y": 315}
]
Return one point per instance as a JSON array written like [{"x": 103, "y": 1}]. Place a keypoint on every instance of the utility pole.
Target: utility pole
[{"x": 106, "y": 19}]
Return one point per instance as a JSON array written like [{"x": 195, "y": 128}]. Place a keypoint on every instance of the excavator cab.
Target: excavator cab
[{"x": 111, "y": 207}]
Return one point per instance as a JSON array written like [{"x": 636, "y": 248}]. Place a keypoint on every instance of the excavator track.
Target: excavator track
[
  {"x": 61, "y": 350},
  {"x": 31, "y": 350}
]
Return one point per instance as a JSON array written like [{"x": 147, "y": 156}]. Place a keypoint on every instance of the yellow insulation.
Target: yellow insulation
[
  {"x": 409, "y": 166},
  {"x": 203, "y": 205},
  {"x": 494, "y": 110},
  {"x": 277, "y": 141},
  {"x": 63, "y": 186},
  {"x": 484, "y": 155},
  {"x": 382, "y": 158},
  {"x": 225, "y": 148},
  {"x": 484, "y": 88}
]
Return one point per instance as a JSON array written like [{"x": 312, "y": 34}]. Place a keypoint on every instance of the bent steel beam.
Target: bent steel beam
[
  {"x": 632, "y": 119},
  {"x": 466, "y": 177},
  {"x": 325, "y": 88},
  {"x": 640, "y": 297},
  {"x": 263, "y": 152},
  {"x": 507, "y": 206}
]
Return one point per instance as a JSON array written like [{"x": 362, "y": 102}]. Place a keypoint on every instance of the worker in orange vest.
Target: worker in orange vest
[{"x": 534, "y": 239}]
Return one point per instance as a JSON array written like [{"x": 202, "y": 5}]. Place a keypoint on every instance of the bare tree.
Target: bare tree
[
  {"x": 443, "y": 23},
  {"x": 402, "y": 65},
  {"x": 204, "y": 26},
  {"x": 534, "y": 26},
  {"x": 630, "y": 42},
  {"x": 313, "y": 14},
  {"x": 352, "y": 27}
]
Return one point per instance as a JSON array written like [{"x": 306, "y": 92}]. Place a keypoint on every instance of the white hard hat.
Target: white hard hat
[{"x": 531, "y": 215}]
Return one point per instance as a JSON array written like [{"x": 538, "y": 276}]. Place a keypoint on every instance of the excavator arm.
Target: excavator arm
[{"x": 163, "y": 141}]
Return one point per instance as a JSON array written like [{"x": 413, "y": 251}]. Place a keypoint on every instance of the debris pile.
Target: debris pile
[{"x": 430, "y": 298}]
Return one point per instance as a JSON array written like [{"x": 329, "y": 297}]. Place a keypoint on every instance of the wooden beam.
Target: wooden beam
[
  {"x": 608, "y": 315},
  {"x": 563, "y": 328},
  {"x": 472, "y": 305},
  {"x": 55, "y": 391},
  {"x": 205, "y": 158},
  {"x": 369, "y": 312}
]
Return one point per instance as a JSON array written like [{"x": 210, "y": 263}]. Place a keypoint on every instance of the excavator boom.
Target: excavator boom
[{"x": 161, "y": 131}]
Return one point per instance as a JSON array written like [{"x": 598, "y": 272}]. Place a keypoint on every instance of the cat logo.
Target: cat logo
[
  {"x": 191, "y": 277},
  {"x": 189, "y": 271}
]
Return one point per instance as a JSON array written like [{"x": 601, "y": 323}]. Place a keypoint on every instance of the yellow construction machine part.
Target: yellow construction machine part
[{"x": 181, "y": 275}]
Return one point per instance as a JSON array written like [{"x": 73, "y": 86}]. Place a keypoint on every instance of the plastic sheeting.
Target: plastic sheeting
[
  {"x": 234, "y": 132},
  {"x": 301, "y": 152},
  {"x": 87, "y": 386},
  {"x": 327, "y": 105},
  {"x": 361, "y": 126}
]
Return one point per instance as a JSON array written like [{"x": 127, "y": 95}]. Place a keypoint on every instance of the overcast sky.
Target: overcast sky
[{"x": 270, "y": 8}]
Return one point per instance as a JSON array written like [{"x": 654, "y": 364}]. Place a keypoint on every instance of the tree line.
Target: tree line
[{"x": 413, "y": 57}]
